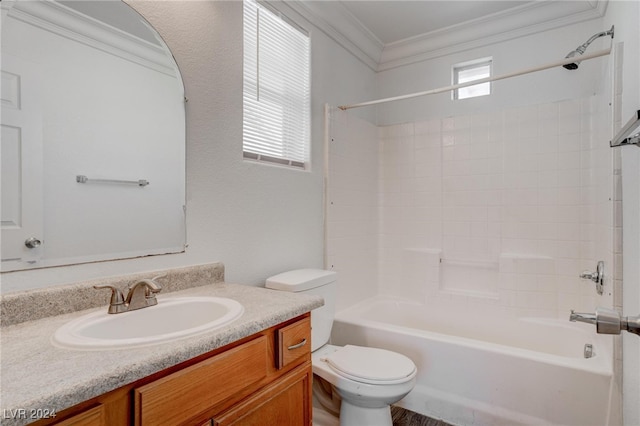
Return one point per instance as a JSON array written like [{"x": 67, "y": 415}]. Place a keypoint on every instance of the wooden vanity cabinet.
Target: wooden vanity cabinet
[
  {"x": 283, "y": 403},
  {"x": 110, "y": 409},
  {"x": 90, "y": 417},
  {"x": 200, "y": 387},
  {"x": 262, "y": 379}
]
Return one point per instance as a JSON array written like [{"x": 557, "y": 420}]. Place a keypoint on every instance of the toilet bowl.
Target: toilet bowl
[
  {"x": 368, "y": 380},
  {"x": 358, "y": 382}
]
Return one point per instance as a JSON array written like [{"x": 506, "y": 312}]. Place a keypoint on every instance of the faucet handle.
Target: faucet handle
[
  {"x": 153, "y": 286},
  {"x": 597, "y": 276},
  {"x": 116, "y": 294},
  {"x": 116, "y": 304}
]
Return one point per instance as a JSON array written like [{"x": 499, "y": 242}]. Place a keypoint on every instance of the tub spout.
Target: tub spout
[
  {"x": 608, "y": 321},
  {"x": 581, "y": 317}
]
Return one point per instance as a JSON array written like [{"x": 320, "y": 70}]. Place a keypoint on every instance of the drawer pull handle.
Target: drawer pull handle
[{"x": 298, "y": 345}]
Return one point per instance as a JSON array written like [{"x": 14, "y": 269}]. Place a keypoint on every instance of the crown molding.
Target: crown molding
[
  {"x": 66, "y": 22},
  {"x": 525, "y": 20},
  {"x": 337, "y": 22}
]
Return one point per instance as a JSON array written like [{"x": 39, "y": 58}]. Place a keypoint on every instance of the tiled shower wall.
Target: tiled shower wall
[{"x": 504, "y": 208}]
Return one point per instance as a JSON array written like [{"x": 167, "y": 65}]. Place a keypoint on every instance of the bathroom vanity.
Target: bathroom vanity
[
  {"x": 240, "y": 383},
  {"x": 255, "y": 370}
]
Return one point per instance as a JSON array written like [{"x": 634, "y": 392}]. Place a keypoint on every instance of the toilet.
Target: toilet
[{"x": 356, "y": 383}]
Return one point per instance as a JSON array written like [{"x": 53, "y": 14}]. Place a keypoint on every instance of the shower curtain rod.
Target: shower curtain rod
[{"x": 482, "y": 80}]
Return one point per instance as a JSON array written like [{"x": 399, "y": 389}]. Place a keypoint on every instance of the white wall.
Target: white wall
[
  {"x": 625, "y": 15},
  {"x": 631, "y": 284},
  {"x": 508, "y": 56},
  {"x": 258, "y": 220},
  {"x": 352, "y": 207}
]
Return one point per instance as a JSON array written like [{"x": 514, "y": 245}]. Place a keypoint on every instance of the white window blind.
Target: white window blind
[{"x": 276, "y": 92}]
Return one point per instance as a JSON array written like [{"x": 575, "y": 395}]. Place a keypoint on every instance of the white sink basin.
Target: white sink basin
[{"x": 170, "y": 319}]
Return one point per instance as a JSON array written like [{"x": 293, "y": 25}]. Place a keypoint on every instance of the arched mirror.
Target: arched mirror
[{"x": 93, "y": 135}]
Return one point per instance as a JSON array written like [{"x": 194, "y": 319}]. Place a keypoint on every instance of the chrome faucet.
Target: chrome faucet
[
  {"x": 139, "y": 295},
  {"x": 608, "y": 321},
  {"x": 142, "y": 294},
  {"x": 581, "y": 317}
]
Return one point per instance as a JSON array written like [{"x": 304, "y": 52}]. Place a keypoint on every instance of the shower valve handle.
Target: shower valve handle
[{"x": 597, "y": 276}]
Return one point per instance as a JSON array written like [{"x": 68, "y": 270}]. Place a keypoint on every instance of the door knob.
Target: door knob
[{"x": 32, "y": 242}]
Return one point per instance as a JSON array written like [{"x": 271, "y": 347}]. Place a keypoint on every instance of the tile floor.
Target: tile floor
[{"x": 403, "y": 417}]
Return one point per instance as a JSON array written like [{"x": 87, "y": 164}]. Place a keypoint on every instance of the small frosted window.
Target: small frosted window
[{"x": 464, "y": 73}]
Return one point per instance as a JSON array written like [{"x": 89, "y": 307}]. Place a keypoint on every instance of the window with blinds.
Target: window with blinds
[{"x": 276, "y": 94}]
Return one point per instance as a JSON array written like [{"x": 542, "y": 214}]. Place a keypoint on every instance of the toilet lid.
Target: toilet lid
[{"x": 371, "y": 365}]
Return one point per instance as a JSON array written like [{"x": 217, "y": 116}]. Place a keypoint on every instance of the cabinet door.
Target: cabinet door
[
  {"x": 92, "y": 417},
  {"x": 175, "y": 398},
  {"x": 286, "y": 402}
]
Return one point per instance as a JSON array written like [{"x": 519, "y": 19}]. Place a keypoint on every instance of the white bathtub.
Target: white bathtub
[{"x": 482, "y": 368}]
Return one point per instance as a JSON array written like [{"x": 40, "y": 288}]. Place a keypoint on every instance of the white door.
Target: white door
[{"x": 21, "y": 163}]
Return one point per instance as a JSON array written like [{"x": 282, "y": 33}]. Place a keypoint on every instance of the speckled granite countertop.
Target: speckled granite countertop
[{"x": 38, "y": 375}]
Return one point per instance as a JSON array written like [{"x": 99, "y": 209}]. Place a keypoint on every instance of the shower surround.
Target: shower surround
[
  {"x": 488, "y": 218},
  {"x": 504, "y": 208}
]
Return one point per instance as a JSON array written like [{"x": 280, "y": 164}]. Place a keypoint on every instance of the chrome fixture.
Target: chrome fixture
[
  {"x": 629, "y": 134},
  {"x": 588, "y": 350},
  {"x": 597, "y": 276},
  {"x": 297, "y": 345},
  {"x": 84, "y": 179},
  {"x": 583, "y": 47},
  {"x": 608, "y": 321},
  {"x": 116, "y": 303},
  {"x": 139, "y": 295}
]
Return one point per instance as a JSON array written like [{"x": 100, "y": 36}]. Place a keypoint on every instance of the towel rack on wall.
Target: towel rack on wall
[
  {"x": 84, "y": 179},
  {"x": 629, "y": 134}
]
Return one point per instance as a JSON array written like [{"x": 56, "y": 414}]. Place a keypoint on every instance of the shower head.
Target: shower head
[
  {"x": 572, "y": 65},
  {"x": 583, "y": 47}
]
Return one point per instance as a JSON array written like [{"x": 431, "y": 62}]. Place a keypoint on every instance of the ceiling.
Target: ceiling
[
  {"x": 116, "y": 14},
  {"x": 389, "y": 33},
  {"x": 392, "y": 21}
]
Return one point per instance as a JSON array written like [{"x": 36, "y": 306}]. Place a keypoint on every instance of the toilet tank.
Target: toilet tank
[{"x": 311, "y": 281}]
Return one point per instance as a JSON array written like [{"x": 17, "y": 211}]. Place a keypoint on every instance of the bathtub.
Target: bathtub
[{"x": 480, "y": 367}]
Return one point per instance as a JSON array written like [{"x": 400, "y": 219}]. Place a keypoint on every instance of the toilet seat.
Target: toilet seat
[{"x": 371, "y": 365}]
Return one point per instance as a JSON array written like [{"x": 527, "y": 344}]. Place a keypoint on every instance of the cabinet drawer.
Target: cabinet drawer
[
  {"x": 197, "y": 388},
  {"x": 294, "y": 342}
]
